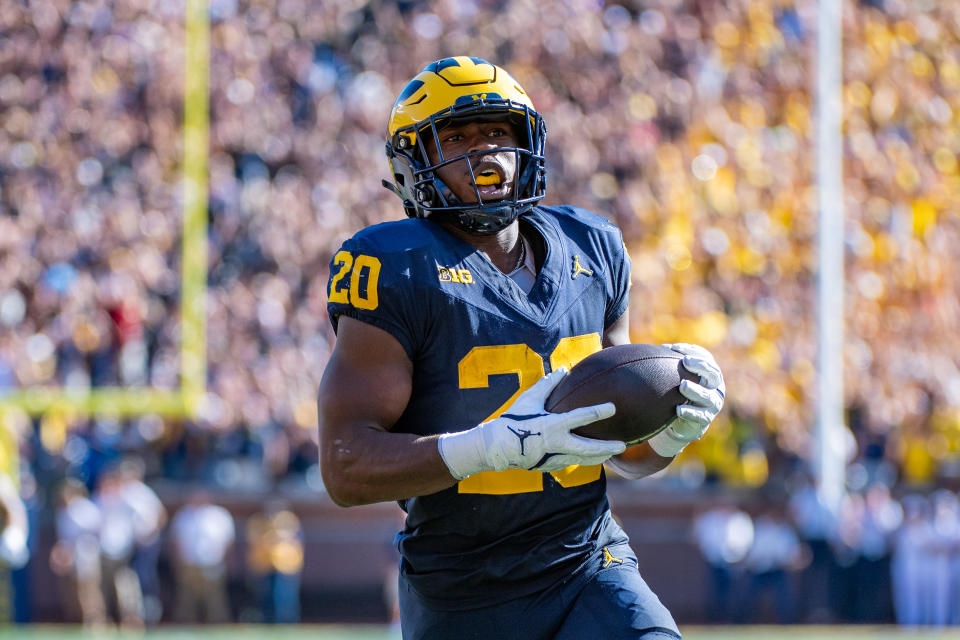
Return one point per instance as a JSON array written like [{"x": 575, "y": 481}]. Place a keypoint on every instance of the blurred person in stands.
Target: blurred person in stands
[
  {"x": 75, "y": 556},
  {"x": 943, "y": 544},
  {"x": 454, "y": 316},
  {"x": 724, "y": 535},
  {"x": 845, "y": 544},
  {"x": 881, "y": 517},
  {"x": 121, "y": 586},
  {"x": 149, "y": 516},
  {"x": 275, "y": 558},
  {"x": 774, "y": 553},
  {"x": 14, "y": 533},
  {"x": 201, "y": 534},
  {"x": 954, "y": 555},
  {"x": 909, "y": 566},
  {"x": 816, "y": 524}
]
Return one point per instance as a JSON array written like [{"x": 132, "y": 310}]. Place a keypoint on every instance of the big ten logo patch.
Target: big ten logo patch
[{"x": 452, "y": 274}]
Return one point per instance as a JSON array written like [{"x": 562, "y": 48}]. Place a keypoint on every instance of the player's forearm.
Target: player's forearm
[
  {"x": 378, "y": 466},
  {"x": 639, "y": 462}
]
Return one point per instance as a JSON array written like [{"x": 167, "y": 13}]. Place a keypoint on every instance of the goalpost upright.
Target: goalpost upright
[
  {"x": 184, "y": 401},
  {"x": 829, "y": 455}
]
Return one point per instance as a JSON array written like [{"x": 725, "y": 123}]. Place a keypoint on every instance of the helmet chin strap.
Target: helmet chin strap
[
  {"x": 485, "y": 220},
  {"x": 480, "y": 222}
]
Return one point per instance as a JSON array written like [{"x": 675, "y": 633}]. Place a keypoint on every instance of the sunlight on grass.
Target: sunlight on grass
[{"x": 359, "y": 632}]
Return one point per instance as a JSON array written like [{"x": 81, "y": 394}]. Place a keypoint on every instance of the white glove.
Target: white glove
[
  {"x": 526, "y": 436},
  {"x": 706, "y": 400}
]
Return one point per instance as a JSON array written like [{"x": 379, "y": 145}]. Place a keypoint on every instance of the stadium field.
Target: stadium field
[{"x": 334, "y": 632}]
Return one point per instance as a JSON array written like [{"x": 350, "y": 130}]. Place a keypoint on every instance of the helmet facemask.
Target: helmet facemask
[{"x": 424, "y": 192}]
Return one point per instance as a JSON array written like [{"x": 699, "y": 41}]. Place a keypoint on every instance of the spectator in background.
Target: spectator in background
[
  {"x": 201, "y": 534},
  {"x": 121, "y": 587},
  {"x": 75, "y": 557},
  {"x": 845, "y": 544},
  {"x": 724, "y": 535},
  {"x": 910, "y": 564},
  {"x": 954, "y": 603},
  {"x": 943, "y": 543},
  {"x": 275, "y": 559},
  {"x": 148, "y": 518},
  {"x": 880, "y": 519},
  {"x": 775, "y": 551},
  {"x": 14, "y": 553},
  {"x": 816, "y": 524}
]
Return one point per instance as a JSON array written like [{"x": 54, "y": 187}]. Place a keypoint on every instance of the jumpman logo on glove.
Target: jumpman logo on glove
[
  {"x": 492, "y": 445},
  {"x": 523, "y": 434}
]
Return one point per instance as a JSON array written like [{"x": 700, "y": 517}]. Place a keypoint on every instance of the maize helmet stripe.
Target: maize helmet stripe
[{"x": 447, "y": 82}]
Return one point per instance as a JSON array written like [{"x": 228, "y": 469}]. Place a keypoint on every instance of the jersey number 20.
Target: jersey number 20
[
  {"x": 362, "y": 290},
  {"x": 482, "y": 362}
]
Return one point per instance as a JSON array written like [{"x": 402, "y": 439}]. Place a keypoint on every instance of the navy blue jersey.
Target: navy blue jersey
[{"x": 476, "y": 340}]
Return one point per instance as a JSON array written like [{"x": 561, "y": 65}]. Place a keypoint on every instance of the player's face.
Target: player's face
[{"x": 495, "y": 171}]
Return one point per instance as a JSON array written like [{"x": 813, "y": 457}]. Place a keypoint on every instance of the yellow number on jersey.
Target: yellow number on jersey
[
  {"x": 360, "y": 297},
  {"x": 365, "y": 299},
  {"x": 345, "y": 260},
  {"x": 474, "y": 371}
]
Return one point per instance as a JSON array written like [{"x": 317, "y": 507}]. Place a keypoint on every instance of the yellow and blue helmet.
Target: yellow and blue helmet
[{"x": 462, "y": 89}]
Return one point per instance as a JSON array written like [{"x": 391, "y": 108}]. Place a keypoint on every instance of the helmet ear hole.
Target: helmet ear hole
[
  {"x": 425, "y": 193},
  {"x": 400, "y": 142}
]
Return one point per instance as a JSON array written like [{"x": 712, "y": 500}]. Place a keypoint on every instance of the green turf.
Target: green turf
[
  {"x": 335, "y": 632},
  {"x": 229, "y": 632},
  {"x": 800, "y": 632}
]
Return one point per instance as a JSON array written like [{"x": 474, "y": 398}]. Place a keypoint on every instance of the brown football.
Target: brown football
[{"x": 641, "y": 380}]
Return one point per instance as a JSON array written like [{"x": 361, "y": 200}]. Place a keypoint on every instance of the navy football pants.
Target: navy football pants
[{"x": 609, "y": 601}]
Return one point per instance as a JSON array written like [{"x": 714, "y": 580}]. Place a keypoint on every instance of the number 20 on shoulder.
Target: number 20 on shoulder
[{"x": 361, "y": 289}]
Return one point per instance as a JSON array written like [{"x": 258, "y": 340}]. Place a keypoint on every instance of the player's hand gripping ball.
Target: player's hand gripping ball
[
  {"x": 526, "y": 436},
  {"x": 652, "y": 387},
  {"x": 704, "y": 401}
]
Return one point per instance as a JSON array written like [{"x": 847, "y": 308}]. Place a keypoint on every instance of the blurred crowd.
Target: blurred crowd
[
  {"x": 877, "y": 560},
  {"x": 688, "y": 122},
  {"x": 110, "y": 545}
]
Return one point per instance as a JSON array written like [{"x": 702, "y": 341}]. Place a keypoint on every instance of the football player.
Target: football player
[{"x": 447, "y": 323}]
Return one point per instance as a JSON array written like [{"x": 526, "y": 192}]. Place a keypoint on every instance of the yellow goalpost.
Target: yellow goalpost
[{"x": 121, "y": 402}]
